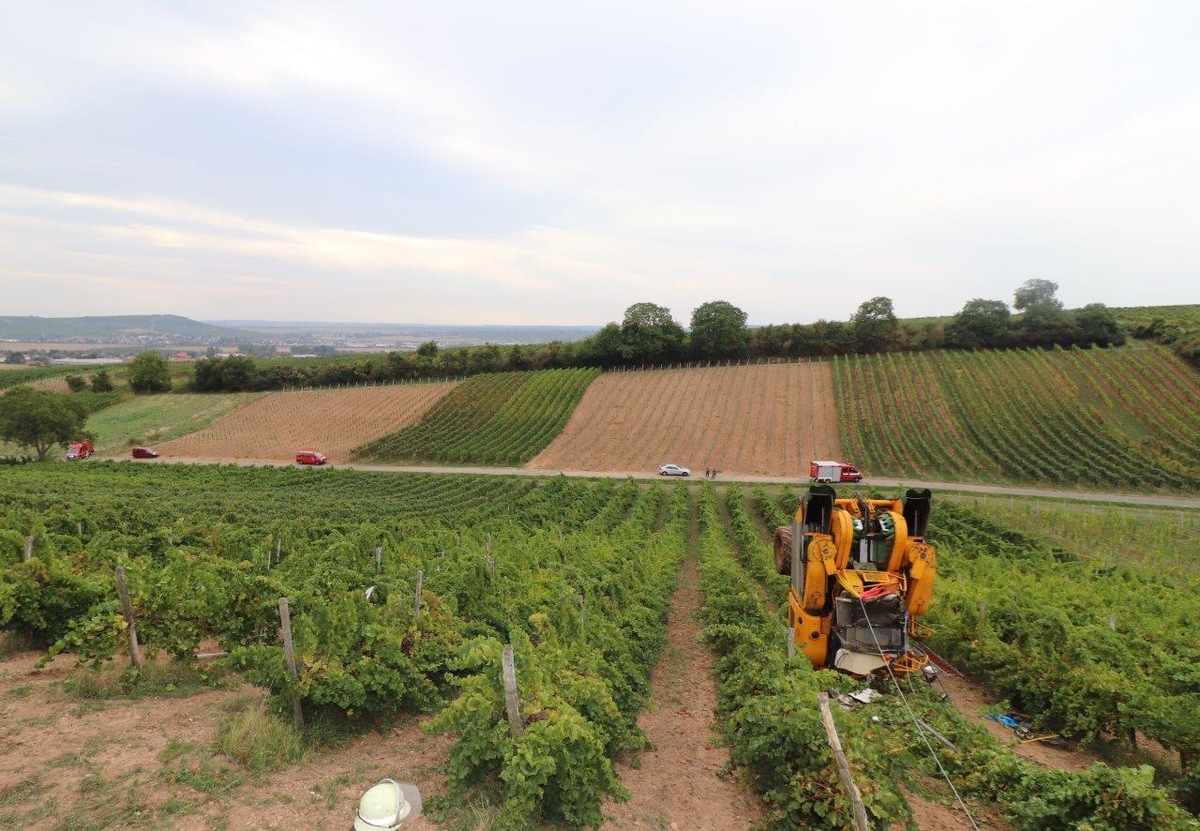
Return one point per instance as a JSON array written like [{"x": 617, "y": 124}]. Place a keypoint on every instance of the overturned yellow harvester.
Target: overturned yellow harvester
[{"x": 862, "y": 574}]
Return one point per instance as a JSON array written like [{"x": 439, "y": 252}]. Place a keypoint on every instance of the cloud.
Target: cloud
[{"x": 550, "y": 161}]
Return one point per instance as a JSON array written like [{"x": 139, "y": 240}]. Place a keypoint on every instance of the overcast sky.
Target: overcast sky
[{"x": 555, "y": 162}]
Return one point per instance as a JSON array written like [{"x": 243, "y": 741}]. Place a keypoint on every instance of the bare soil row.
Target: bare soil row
[
  {"x": 333, "y": 421},
  {"x": 765, "y": 420}
]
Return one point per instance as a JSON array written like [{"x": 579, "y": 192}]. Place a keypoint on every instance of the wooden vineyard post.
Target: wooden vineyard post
[
  {"x": 512, "y": 702},
  {"x": 417, "y": 595},
  {"x": 789, "y": 632},
  {"x": 135, "y": 654},
  {"x": 289, "y": 654},
  {"x": 378, "y": 558},
  {"x": 28, "y": 555},
  {"x": 278, "y": 546},
  {"x": 857, "y": 808}
]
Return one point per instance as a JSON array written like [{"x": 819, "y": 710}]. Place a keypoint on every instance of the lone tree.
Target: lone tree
[
  {"x": 102, "y": 382},
  {"x": 1036, "y": 299},
  {"x": 39, "y": 419},
  {"x": 649, "y": 333},
  {"x": 718, "y": 330},
  {"x": 981, "y": 323},
  {"x": 874, "y": 325},
  {"x": 149, "y": 372},
  {"x": 1097, "y": 324}
]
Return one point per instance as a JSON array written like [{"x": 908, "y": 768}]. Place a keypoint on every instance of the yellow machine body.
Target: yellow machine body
[{"x": 865, "y": 574}]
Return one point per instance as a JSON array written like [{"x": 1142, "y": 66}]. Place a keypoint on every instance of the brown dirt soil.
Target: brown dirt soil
[
  {"x": 769, "y": 420},
  {"x": 676, "y": 784},
  {"x": 59, "y": 754},
  {"x": 970, "y": 698},
  {"x": 104, "y": 764},
  {"x": 333, "y": 421}
]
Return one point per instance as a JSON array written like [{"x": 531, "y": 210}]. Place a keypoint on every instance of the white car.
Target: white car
[{"x": 673, "y": 470}]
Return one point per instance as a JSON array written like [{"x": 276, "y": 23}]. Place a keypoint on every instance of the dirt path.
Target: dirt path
[
  {"x": 726, "y": 476},
  {"x": 120, "y": 763},
  {"x": 676, "y": 784}
]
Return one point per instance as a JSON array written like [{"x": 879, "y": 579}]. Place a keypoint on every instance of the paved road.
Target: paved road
[{"x": 962, "y": 487}]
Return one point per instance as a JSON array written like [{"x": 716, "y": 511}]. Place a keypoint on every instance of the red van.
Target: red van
[{"x": 310, "y": 457}]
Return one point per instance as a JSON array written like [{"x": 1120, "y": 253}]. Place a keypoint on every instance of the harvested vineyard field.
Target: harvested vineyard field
[
  {"x": 332, "y": 421},
  {"x": 768, "y": 420},
  {"x": 57, "y": 383}
]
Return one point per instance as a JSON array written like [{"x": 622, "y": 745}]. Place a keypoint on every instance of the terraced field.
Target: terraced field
[
  {"x": 333, "y": 421},
  {"x": 769, "y": 420}
]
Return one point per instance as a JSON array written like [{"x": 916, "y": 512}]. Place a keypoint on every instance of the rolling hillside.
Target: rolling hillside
[
  {"x": 1123, "y": 417},
  {"x": 333, "y": 421},
  {"x": 502, "y": 418},
  {"x": 769, "y": 419},
  {"x": 1099, "y": 418}
]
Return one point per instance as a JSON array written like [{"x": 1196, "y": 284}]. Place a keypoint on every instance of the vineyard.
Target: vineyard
[
  {"x": 768, "y": 419},
  {"x": 334, "y": 421},
  {"x": 504, "y": 418},
  {"x": 405, "y": 589},
  {"x": 1089, "y": 648},
  {"x": 574, "y": 576},
  {"x": 1116, "y": 418}
]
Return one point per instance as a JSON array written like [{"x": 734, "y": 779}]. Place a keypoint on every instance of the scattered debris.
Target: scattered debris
[{"x": 1020, "y": 724}]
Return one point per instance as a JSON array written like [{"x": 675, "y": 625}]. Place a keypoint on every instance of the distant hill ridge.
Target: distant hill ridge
[{"x": 50, "y": 329}]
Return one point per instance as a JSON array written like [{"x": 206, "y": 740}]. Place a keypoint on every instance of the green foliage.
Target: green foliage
[
  {"x": 981, "y": 323},
  {"x": 1111, "y": 418},
  {"x": 874, "y": 325},
  {"x": 1045, "y": 640},
  {"x": 38, "y": 419},
  {"x": 559, "y": 768},
  {"x": 102, "y": 382},
  {"x": 237, "y": 373},
  {"x": 650, "y": 335},
  {"x": 503, "y": 418},
  {"x": 260, "y": 742},
  {"x": 718, "y": 331},
  {"x": 577, "y": 575},
  {"x": 149, "y": 372}
]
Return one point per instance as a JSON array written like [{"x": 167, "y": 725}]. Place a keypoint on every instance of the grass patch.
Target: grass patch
[
  {"x": 260, "y": 742},
  {"x": 19, "y": 692},
  {"x": 175, "y": 749},
  {"x": 176, "y": 807},
  {"x": 68, "y": 760},
  {"x": 158, "y": 418},
  {"x": 206, "y": 777},
  {"x": 169, "y": 679},
  {"x": 480, "y": 811},
  {"x": 26, "y": 789},
  {"x": 102, "y": 805}
]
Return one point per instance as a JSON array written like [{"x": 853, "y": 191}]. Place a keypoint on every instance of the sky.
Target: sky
[{"x": 556, "y": 162}]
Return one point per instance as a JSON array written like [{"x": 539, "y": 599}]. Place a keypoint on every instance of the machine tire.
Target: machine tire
[{"x": 783, "y": 550}]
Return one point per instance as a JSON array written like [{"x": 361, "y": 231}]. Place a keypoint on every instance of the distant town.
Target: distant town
[{"x": 102, "y": 340}]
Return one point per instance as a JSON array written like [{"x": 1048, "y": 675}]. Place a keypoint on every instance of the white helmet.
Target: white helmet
[{"x": 386, "y": 805}]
